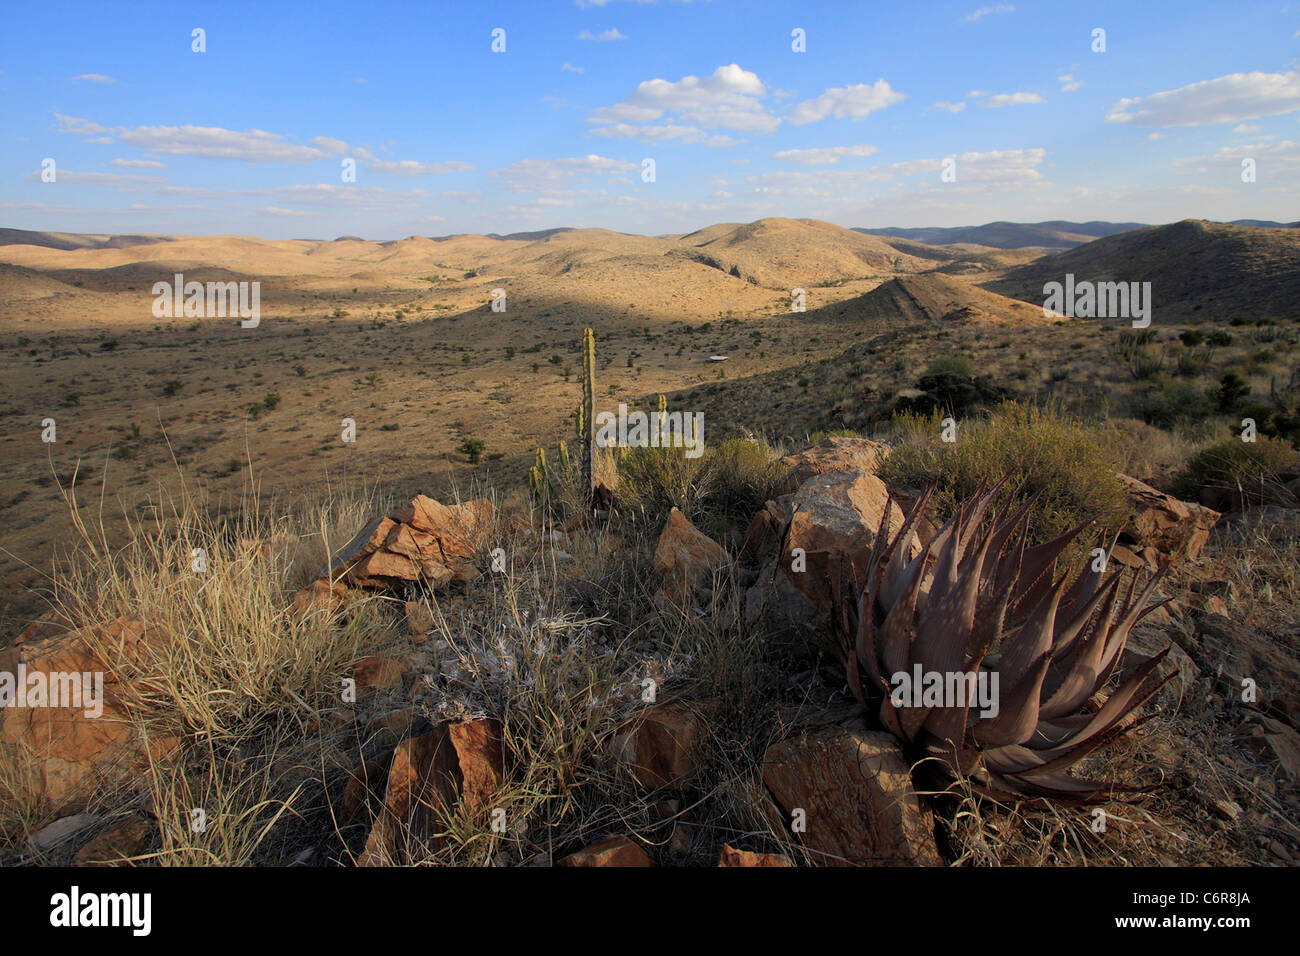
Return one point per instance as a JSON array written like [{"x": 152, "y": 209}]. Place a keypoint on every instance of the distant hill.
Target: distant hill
[
  {"x": 776, "y": 252},
  {"x": 939, "y": 298},
  {"x": 1055, "y": 234},
  {"x": 1195, "y": 268},
  {"x": 74, "y": 240}
]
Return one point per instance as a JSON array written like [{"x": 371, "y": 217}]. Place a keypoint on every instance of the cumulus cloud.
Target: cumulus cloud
[
  {"x": 655, "y": 133},
  {"x": 94, "y": 78},
  {"x": 987, "y": 11},
  {"x": 824, "y": 155},
  {"x": 846, "y": 102},
  {"x": 555, "y": 175},
  {"x": 948, "y": 107},
  {"x": 214, "y": 142},
  {"x": 1285, "y": 154},
  {"x": 138, "y": 163},
  {"x": 1068, "y": 83},
  {"x": 604, "y": 36},
  {"x": 1226, "y": 99},
  {"x": 69, "y": 177},
  {"x": 1011, "y": 99},
  {"x": 730, "y": 98},
  {"x": 568, "y": 67},
  {"x": 997, "y": 167}
]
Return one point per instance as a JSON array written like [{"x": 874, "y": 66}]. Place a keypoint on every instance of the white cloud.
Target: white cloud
[
  {"x": 658, "y": 133},
  {"x": 330, "y": 145},
  {"x": 988, "y": 11},
  {"x": 1285, "y": 153},
  {"x": 847, "y": 102},
  {"x": 1242, "y": 128},
  {"x": 281, "y": 211},
  {"x": 1068, "y": 83},
  {"x": 68, "y": 177},
  {"x": 555, "y": 175},
  {"x": 998, "y": 167},
  {"x": 214, "y": 142},
  {"x": 729, "y": 99},
  {"x": 1012, "y": 99},
  {"x": 411, "y": 167},
  {"x": 570, "y": 68},
  {"x": 949, "y": 107},
  {"x": 824, "y": 155},
  {"x": 78, "y": 126},
  {"x": 604, "y": 36},
  {"x": 95, "y": 78},
  {"x": 1226, "y": 99},
  {"x": 139, "y": 163}
]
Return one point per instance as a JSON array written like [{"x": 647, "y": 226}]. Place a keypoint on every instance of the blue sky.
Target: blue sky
[{"x": 447, "y": 136}]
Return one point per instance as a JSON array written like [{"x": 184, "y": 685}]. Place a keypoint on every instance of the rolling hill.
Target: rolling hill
[{"x": 1201, "y": 268}]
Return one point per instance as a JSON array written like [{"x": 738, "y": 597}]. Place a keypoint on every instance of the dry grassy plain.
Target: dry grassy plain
[{"x": 400, "y": 337}]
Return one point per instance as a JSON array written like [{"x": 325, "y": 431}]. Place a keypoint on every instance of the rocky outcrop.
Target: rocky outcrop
[
  {"x": 93, "y": 742},
  {"x": 1160, "y": 528},
  {"x": 831, "y": 518},
  {"x": 660, "y": 746},
  {"x": 686, "y": 562},
  {"x": 429, "y": 774},
  {"x": 730, "y": 856},
  {"x": 423, "y": 541},
  {"x": 612, "y": 851},
  {"x": 832, "y": 453},
  {"x": 847, "y": 794}
]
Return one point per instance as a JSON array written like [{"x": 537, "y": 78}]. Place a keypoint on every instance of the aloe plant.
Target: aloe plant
[{"x": 978, "y": 602}]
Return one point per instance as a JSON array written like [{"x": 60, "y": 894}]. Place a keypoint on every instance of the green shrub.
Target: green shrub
[
  {"x": 1073, "y": 464},
  {"x": 1233, "y": 463},
  {"x": 720, "y": 490},
  {"x": 1232, "y": 389},
  {"x": 471, "y": 448},
  {"x": 1171, "y": 403}
]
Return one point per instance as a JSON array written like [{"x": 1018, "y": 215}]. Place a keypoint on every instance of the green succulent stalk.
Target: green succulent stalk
[{"x": 587, "y": 413}]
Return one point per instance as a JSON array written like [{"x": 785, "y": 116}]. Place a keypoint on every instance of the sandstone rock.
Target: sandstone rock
[
  {"x": 833, "y": 517},
  {"x": 457, "y": 528},
  {"x": 857, "y": 796},
  {"x": 365, "y": 784},
  {"x": 481, "y": 759},
  {"x": 660, "y": 745},
  {"x": 613, "y": 851},
  {"x": 424, "y": 775},
  {"x": 1232, "y": 654},
  {"x": 424, "y": 540},
  {"x": 428, "y": 774},
  {"x": 730, "y": 856},
  {"x": 686, "y": 561},
  {"x": 763, "y": 534},
  {"x": 832, "y": 453},
  {"x": 125, "y": 838},
  {"x": 1277, "y": 742},
  {"x": 1177, "y": 530},
  {"x": 1146, "y": 641},
  {"x": 377, "y": 672},
  {"x": 75, "y": 753},
  {"x": 321, "y": 597}
]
